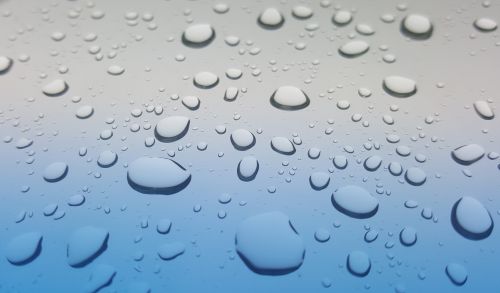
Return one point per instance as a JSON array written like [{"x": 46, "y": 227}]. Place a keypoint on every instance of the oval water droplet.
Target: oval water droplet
[
  {"x": 172, "y": 128},
  {"x": 157, "y": 175},
  {"x": 468, "y": 154},
  {"x": 471, "y": 219},
  {"x": 354, "y": 48},
  {"x": 242, "y": 139},
  {"x": 282, "y": 145},
  {"x": 289, "y": 98},
  {"x": 198, "y": 35},
  {"x": 55, "y": 88},
  {"x": 358, "y": 263},
  {"x": 248, "y": 168},
  {"x": 355, "y": 201},
  {"x": 399, "y": 86}
]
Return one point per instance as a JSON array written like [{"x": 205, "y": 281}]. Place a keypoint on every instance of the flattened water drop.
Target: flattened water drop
[
  {"x": 116, "y": 70},
  {"x": 198, "y": 35},
  {"x": 191, "y": 102},
  {"x": 242, "y": 139},
  {"x": 86, "y": 244},
  {"x": 471, "y": 219},
  {"x": 355, "y": 201},
  {"x": 24, "y": 248},
  {"x": 358, "y": 263},
  {"x": 319, "y": 180},
  {"x": 157, "y": 175},
  {"x": 354, "y": 48},
  {"x": 415, "y": 176},
  {"x": 172, "y": 128},
  {"x": 282, "y": 145},
  {"x": 248, "y": 168},
  {"x": 271, "y": 18},
  {"x": 399, "y": 86},
  {"x": 417, "y": 26},
  {"x": 484, "y": 110},
  {"x": 170, "y": 251},
  {"x": 84, "y": 112},
  {"x": 55, "y": 88},
  {"x": 107, "y": 159},
  {"x": 55, "y": 172},
  {"x": 269, "y": 245},
  {"x": 457, "y": 273},
  {"x": 289, "y": 98},
  {"x": 468, "y": 154},
  {"x": 485, "y": 24},
  {"x": 205, "y": 80}
]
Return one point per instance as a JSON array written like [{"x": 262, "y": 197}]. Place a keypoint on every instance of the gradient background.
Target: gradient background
[{"x": 464, "y": 59}]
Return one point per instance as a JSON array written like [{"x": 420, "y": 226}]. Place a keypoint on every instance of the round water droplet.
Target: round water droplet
[
  {"x": 157, "y": 175},
  {"x": 342, "y": 17},
  {"x": 5, "y": 64},
  {"x": 302, "y": 12},
  {"x": 468, "y": 154},
  {"x": 408, "y": 236},
  {"x": 191, "y": 102},
  {"x": 322, "y": 235},
  {"x": 107, "y": 159},
  {"x": 198, "y": 35},
  {"x": 289, "y": 98},
  {"x": 372, "y": 163},
  {"x": 457, "y": 273},
  {"x": 269, "y": 245},
  {"x": 485, "y": 24},
  {"x": 24, "y": 248},
  {"x": 319, "y": 180},
  {"x": 205, "y": 80},
  {"x": 355, "y": 201},
  {"x": 271, "y": 18},
  {"x": 471, "y": 219},
  {"x": 55, "y": 88},
  {"x": 354, "y": 48},
  {"x": 172, "y": 128},
  {"x": 84, "y": 112},
  {"x": 358, "y": 263},
  {"x": 242, "y": 139},
  {"x": 400, "y": 86},
  {"x": 55, "y": 172},
  {"x": 248, "y": 168},
  {"x": 115, "y": 70},
  {"x": 282, "y": 145},
  {"x": 415, "y": 176},
  {"x": 417, "y": 26}
]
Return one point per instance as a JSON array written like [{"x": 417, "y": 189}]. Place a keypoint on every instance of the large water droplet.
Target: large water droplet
[
  {"x": 417, "y": 26},
  {"x": 468, "y": 154},
  {"x": 205, "y": 80},
  {"x": 354, "y": 48},
  {"x": 355, "y": 202},
  {"x": 198, "y": 35},
  {"x": 269, "y": 245},
  {"x": 157, "y": 175},
  {"x": 55, "y": 172},
  {"x": 358, "y": 263},
  {"x": 242, "y": 139},
  {"x": 55, "y": 88},
  {"x": 289, "y": 98},
  {"x": 471, "y": 219},
  {"x": 282, "y": 145},
  {"x": 484, "y": 110},
  {"x": 485, "y": 24},
  {"x": 457, "y": 273},
  {"x": 86, "y": 244},
  {"x": 248, "y": 168},
  {"x": 399, "y": 86},
  {"x": 24, "y": 248},
  {"x": 271, "y": 18},
  {"x": 171, "y": 128}
]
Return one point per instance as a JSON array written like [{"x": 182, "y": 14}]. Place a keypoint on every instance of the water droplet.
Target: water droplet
[
  {"x": 86, "y": 244},
  {"x": 485, "y": 24},
  {"x": 191, "y": 102},
  {"x": 242, "y": 139},
  {"x": 282, "y": 145},
  {"x": 55, "y": 172},
  {"x": 269, "y": 245},
  {"x": 198, "y": 35},
  {"x": 116, "y": 70},
  {"x": 107, "y": 159},
  {"x": 415, "y": 176},
  {"x": 471, "y": 219},
  {"x": 457, "y": 273},
  {"x": 5, "y": 64},
  {"x": 408, "y": 236},
  {"x": 355, "y": 201},
  {"x": 24, "y": 248},
  {"x": 468, "y": 154},
  {"x": 102, "y": 275},
  {"x": 400, "y": 86},
  {"x": 302, "y": 12},
  {"x": 354, "y": 48},
  {"x": 172, "y": 128},
  {"x": 157, "y": 175},
  {"x": 342, "y": 17},
  {"x": 170, "y": 251},
  {"x": 248, "y": 168},
  {"x": 358, "y": 263},
  {"x": 84, "y": 112},
  {"x": 271, "y": 18},
  {"x": 484, "y": 110},
  {"x": 205, "y": 80},
  {"x": 319, "y": 180},
  {"x": 55, "y": 88},
  {"x": 164, "y": 226},
  {"x": 417, "y": 26},
  {"x": 289, "y": 98}
]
